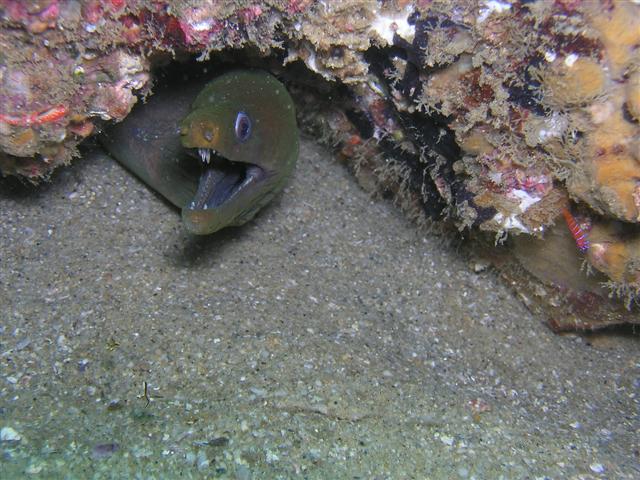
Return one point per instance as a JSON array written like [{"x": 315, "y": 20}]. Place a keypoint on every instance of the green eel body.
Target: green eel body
[{"x": 220, "y": 153}]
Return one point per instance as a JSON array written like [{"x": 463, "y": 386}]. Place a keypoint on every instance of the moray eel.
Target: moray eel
[{"x": 220, "y": 153}]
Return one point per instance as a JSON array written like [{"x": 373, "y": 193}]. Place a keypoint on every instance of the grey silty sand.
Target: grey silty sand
[{"x": 327, "y": 338}]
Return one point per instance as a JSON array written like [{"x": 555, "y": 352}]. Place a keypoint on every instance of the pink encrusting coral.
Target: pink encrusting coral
[
  {"x": 52, "y": 88},
  {"x": 499, "y": 115}
]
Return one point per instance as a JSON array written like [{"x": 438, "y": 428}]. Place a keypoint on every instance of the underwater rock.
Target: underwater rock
[
  {"x": 615, "y": 251},
  {"x": 552, "y": 272},
  {"x": 497, "y": 116}
]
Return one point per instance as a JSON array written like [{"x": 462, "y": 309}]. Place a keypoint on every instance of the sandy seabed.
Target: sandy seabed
[{"x": 327, "y": 338}]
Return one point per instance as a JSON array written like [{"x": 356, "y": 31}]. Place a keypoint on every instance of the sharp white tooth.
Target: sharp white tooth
[{"x": 205, "y": 154}]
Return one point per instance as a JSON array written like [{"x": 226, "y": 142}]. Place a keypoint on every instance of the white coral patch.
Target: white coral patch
[
  {"x": 512, "y": 222},
  {"x": 570, "y": 59},
  {"x": 490, "y": 7},
  {"x": 202, "y": 25},
  {"x": 388, "y": 24},
  {"x": 495, "y": 177},
  {"x": 554, "y": 126},
  {"x": 526, "y": 200},
  {"x": 132, "y": 69},
  {"x": 509, "y": 223},
  {"x": 311, "y": 61},
  {"x": 602, "y": 111},
  {"x": 307, "y": 54}
]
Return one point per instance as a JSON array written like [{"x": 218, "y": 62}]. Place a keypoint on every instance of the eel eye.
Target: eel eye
[{"x": 243, "y": 127}]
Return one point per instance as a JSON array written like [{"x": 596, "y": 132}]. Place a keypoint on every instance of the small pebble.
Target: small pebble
[
  {"x": 142, "y": 452},
  {"x": 271, "y": 457},
  {"x": 34, "y": 468},
  {"x": 447, "y": 440},
  {"x": 8, "y": 434},
  {"x": 114, "y": 405},
  {"x": 242, "y": 472},
  {"x": 606, "y": 433},
  {"x": 190, "y": 458},
  {"x": 104, "y": 450},
  {"x": 201, "y": 460},
  {"x": 480, "y": 266},
  {"x": 82, "y": 365},
  {"x": 314, "y": 454},
  {"x": 597, "y": 468},
  {"x": 258, "y": 392},
  {"x": 218, "y": 442}
]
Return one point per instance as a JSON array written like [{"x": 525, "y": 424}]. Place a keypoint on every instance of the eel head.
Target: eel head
[{"x": 242, "y": 132}]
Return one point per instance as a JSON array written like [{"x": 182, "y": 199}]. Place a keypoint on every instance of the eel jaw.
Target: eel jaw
[{"x": 223, "y": 186}]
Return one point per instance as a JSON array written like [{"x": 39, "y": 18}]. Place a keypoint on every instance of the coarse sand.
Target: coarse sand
[{"x": 328, "y": 338}]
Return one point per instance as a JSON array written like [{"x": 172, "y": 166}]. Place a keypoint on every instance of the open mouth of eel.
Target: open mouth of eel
[{"x": 221, "y": 179}]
